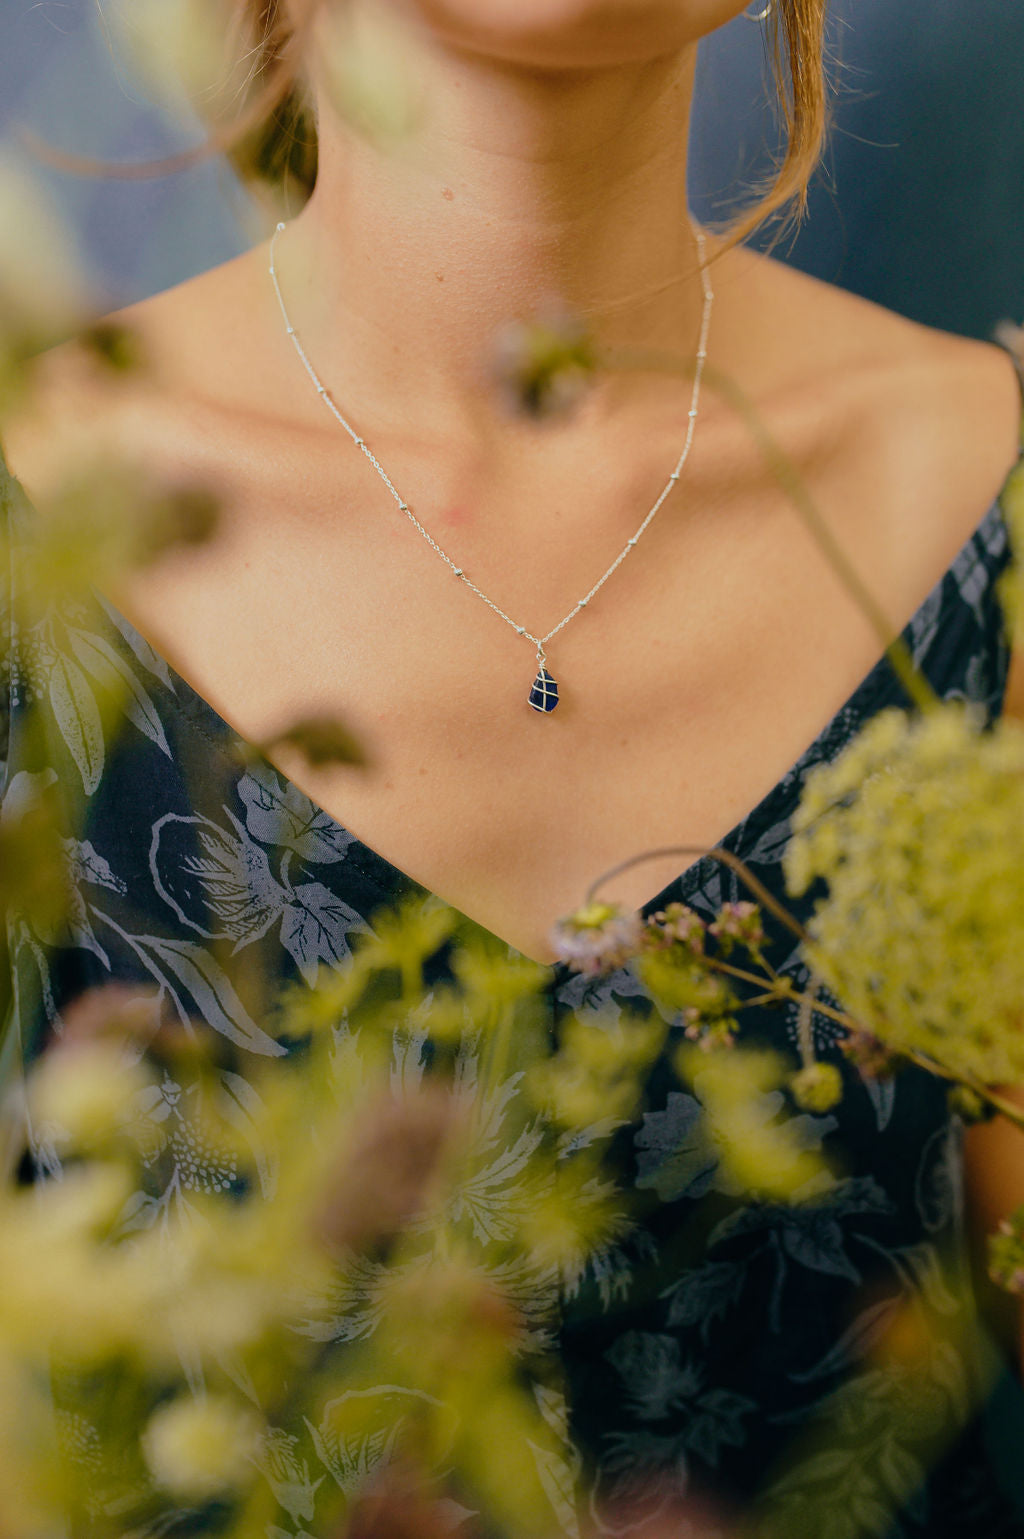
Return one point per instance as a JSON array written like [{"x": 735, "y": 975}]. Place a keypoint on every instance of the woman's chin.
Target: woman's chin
[{"x": 570, "y": 34}]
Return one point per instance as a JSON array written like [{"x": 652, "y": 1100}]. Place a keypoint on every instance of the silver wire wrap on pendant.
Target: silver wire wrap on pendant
[{"x": 761, "y": 15}]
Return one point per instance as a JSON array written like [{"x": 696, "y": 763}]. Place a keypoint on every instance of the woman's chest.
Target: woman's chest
[
  {"x": 689, "y": 684},
  {"x": 688, "y": 687}
]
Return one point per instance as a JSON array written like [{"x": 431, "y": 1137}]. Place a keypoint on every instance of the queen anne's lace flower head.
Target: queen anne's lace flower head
[{"x": 918, "y": 830}]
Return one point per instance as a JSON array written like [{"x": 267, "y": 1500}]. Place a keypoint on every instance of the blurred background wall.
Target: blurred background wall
[{"x": 920, "y": 204}]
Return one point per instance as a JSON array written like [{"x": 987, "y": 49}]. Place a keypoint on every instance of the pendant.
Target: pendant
[{"x": 544, "y": 694}]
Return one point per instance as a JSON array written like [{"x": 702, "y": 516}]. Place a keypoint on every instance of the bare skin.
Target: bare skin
[
  {"x": 721, "y": 647},
  {"x": 690, "y": 685}
]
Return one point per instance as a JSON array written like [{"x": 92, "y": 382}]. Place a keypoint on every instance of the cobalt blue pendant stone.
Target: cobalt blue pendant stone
[{"x": 544, "y": 694}]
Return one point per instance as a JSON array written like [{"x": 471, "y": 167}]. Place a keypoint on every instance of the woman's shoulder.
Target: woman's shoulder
[
  {"x": 938, "y": 392},
  {"x": 139, "y": 380},
  {"x": 924, "y": 423}
]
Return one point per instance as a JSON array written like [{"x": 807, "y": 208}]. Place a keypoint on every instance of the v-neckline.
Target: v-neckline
[{"x": 688, "y": 879}]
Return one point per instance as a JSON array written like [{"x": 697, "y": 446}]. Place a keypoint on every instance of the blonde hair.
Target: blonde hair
[{"x": 276, "y": 144}]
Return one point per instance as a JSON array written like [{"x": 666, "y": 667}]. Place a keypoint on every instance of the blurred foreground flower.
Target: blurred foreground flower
[
  {"x": 543, "y": 367},
  {"x": 321, "y": 740},
  {"x": 107, "y": 515},
  {"x": 203, "y": 1447},
  {"x": 918, "y": 829},
  {"x": 761, "y": 1150},
  {"x": 179, "y": 50},
  {"x": 370, "y": 66},
  {"x": 1006, "y": 1253},
  {"x": 597, "y": 938},
  {"x": 86, "y": 1094},
  {"x": 817, "y": 1087},
  {"x": 43, "y": 293}
]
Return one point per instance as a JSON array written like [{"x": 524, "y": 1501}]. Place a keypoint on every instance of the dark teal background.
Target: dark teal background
[{"x": 920, "y": 205}]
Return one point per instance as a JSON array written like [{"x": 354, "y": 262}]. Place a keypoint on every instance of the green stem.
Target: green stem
[
  {"x": 1007, "y": 1109},
  {"x": 715, "y": 852},
  {"x": 781, "y": 990}
]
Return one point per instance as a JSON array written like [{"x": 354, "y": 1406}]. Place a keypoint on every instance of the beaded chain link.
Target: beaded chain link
[{"x": 544, "y": 694}]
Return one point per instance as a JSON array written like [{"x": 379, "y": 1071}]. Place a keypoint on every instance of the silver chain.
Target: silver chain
[{"x": 361, "y": 443}]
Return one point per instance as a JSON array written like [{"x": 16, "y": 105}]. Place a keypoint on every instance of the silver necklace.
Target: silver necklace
[{"x": 544, "y": 694}]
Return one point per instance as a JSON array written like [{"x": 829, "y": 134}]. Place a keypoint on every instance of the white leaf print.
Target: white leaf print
[
  {"x": 350, "y": 1308},
  {"x": 98, "y": 658},
  {"x": 971, "y": 576},
  {"x": 23, "y": 792},
  {"x": 937, "y": 1184},
  {"x": 89, "y": 866},
  {"x": 227, "y": 879},
  {"x": 287, "y": 1474},
  {"x": 701, "y": 1296},
  {"x": 218, "y": 1004},
  {"x": 489, "y": 1194},
  {"x": 717, "y": 1419},
  {"x": 882, "y": 1095},
  {"x": 856, "y": 1341},
  {"x": 923, "y": 1263},
  {"x": 924, "y": 626},
  {"x": 78, "y": 718},
  {"x": 140, "y": 1212},
  {"x": 277, "y": 812},
  {"x": 655, "y": 1381},
  {"x": 675, "y": 1155},
  {"x": 243, "y": 1108},
  {"x": 769, "y": 847},
  {"x": 315, "y": 927},
  {"x": 351, "y": 1460},
  {"x": 558, "y": 1482},
  {"x": 27, "y": 952},
  {"x": 75, "y": 928},
  {"x": 139, "y": 645}
]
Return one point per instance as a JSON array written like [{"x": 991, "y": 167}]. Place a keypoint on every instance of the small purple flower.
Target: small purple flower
[
  {"x": 543, "y": 367},
  {"x": 738, "y": 924},
  {"x": 1006, "y": 1253},
  {"x": 597, "y": 938},
  {"x": 869, "y": 1055},
  {"x": 679, "y": 923},
  {"x": 709, "y": 1033}
]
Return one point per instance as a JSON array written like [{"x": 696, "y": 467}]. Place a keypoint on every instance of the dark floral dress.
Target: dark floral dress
[{"x": 723, "y": 1344}]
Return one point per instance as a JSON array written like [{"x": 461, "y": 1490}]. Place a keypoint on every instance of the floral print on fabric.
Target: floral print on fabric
[{"x": 723, "y": 1343}]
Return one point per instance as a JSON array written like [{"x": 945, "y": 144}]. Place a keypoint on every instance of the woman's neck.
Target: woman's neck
[{"x": 517, "y": 186}]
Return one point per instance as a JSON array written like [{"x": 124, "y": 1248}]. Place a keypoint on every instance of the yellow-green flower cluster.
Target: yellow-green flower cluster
[
  {"x": 918, "y": 830},
  {"x": 1006, "y": 1253},
  {"x": 199, "y": 1448},
  {"x": 817, "y": 1087},
  {"x": 598, "y": 1071},
  {"x": 1011, "y": 586},
  {"x": 761, "y": 1151}
]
